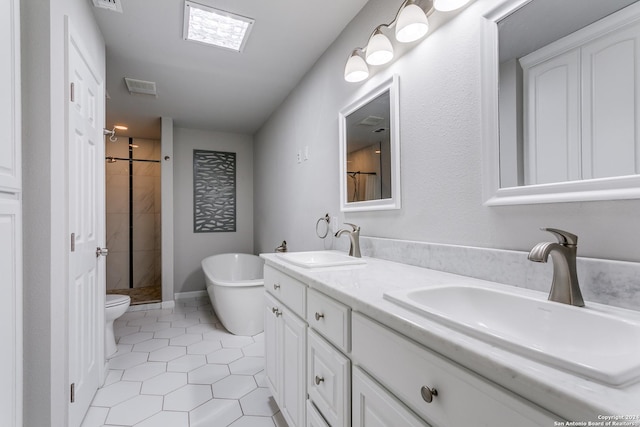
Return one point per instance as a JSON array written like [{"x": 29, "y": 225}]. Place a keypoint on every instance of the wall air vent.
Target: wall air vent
[
  {"x": 371, "y": 121},
  {"x": 112, "y": 5},
  {"x": 141, "y": 87}
]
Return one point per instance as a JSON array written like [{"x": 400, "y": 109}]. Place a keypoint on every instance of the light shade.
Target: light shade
[
  {"x": 356, "y": 69},
  {"x": 449, "y": 5},
  {"x": 412, "y": 24},
  {"x": 379, "y": 49}
]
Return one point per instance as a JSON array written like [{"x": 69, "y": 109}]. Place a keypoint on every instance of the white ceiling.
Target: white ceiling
[{"x": 206, "y": 87}]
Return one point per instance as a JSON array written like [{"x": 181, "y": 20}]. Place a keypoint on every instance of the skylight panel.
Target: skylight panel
[{"x": 216, "y": 27}]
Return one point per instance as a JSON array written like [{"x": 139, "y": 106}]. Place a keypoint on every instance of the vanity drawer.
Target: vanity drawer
[
  {"x": 330, "y": 318},
  {"x": 289, "y": 291},
  {"x": 328, "y": 381},
  {"x": 411, "y": 371}
]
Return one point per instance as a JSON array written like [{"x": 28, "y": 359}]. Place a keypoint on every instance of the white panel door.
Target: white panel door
[
  {"x": 552, "y": 120},
  {"x": 86, "y": 222},
  {"x": 611, "y": 92}
]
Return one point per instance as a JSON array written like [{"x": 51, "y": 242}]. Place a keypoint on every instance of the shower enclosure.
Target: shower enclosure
[{"x": 133, "y": 218}]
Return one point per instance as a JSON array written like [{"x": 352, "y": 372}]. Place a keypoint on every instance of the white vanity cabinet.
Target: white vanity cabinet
[
  {"x": 373, "y": 406},
  {"x": 328, "y": 368},
  {"x": 285, "y": 334},
  {"x": 438, "y": 390},
  {"x": 10, "y": 217}
]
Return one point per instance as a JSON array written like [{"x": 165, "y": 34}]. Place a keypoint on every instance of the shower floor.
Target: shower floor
[{"x": 145, "y": 295}]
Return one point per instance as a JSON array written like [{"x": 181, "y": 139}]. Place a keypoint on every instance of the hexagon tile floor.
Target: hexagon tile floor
[{"x": 180, "y": 368}]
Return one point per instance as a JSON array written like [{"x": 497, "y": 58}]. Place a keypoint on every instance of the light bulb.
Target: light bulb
[
  {"x": 449, "y": 5},
  {"x": 379, "y": 49},
  {"x": 412, "y": 24},
  {"x": 356, "y": 69}
]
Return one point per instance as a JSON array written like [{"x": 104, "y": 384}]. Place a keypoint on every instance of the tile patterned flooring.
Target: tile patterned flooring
[{"x": 180, "y": 368}]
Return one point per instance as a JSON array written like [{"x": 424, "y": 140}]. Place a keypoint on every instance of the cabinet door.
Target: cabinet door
[
  {"x": 10, "y": 171},
  {"x": 552, "y": 119},
  {"x": 611, "y": 91},
  {"x": 329, "y": 380},
  {"x": 373, "y": 406},
  {"x": 272, "y": 339},
  {"x": 294, "y": 366},
  {"x": 10, "y": 312},
  {"x": 314, "y": 419}
]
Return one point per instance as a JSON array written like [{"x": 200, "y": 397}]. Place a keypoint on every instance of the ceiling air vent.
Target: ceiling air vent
[
  {"x": 371, "y": 121},
  {"x": 141, "y": 86},
  {"x": 112, "y": 5}
]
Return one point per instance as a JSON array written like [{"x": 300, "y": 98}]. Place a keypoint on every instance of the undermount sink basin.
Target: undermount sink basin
[
  {"x": 591, "y": 343},
  {"x": 315, "y": 259}
]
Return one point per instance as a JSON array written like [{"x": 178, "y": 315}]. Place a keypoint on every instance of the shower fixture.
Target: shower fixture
[{"x": 112, "y": 132}]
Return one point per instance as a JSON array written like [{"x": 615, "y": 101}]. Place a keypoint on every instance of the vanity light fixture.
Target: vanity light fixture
[
  {"x": 356, "y": 69},
  {"x": 449, "y": 5},
  {"x": 410, "y": 25},
  {"x": 216, "y": 27},
  {"x": 379, "y": 49}
]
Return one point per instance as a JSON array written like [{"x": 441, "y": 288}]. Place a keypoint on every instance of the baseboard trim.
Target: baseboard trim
[{"x": 188, "y": 295}]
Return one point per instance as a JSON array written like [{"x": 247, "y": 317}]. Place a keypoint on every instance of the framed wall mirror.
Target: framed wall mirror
[
  {"x": 562, "y": 101},
  {"x": 369, "y": 150}
]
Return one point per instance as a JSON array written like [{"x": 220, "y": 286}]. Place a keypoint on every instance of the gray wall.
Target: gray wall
[
  {"x": 441, "y": 154},
  {"x": 45, "y": 199},
  {"x": 189, "y": 247}
]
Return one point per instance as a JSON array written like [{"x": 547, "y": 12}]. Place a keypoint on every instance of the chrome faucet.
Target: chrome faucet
[
  {"x": 565, "y": 287},
  {"x": 354, "y": 238},
  {"x": 282, "y": 247}
]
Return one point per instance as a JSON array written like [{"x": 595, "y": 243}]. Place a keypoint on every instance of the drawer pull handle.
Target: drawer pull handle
[
  {"x": 276, "y": 286},
  {"x": 275, "y": 311},
  {"x": 319, "y": 380},
  {"x": 428, "y": 393},
  {"x": 319, "y": 316}
]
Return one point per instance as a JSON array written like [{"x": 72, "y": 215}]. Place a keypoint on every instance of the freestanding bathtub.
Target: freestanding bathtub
[{"x": 235, "y": 283}]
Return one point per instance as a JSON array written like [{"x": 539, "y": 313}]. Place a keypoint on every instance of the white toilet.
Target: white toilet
[{"x": 115, "y": 306}]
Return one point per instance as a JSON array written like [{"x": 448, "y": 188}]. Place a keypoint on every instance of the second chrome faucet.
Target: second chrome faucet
[
  {"x": 354, "y": 238},
  {"x": 565, "y": 287}
]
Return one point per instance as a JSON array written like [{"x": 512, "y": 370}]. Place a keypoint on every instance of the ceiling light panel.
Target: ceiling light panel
[{"x": 216, "y": 27}]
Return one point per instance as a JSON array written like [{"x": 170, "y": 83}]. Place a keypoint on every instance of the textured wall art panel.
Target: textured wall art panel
[{"x": 214, "y": 191}]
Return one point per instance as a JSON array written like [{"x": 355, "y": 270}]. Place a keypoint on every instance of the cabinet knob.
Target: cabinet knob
[
  {"x": 319, "y": 379},
  {"x": 428, "y": 393},
  {"x": 276, "y": 286},
  {"x": 319, "y": 316},
  {"x": 275, "y": 311}
]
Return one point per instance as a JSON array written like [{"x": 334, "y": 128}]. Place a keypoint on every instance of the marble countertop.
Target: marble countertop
[{"x": 362, "y": 287}]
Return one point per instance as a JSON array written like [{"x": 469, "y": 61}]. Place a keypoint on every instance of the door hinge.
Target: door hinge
[
  {"x": 73, "y": 92},
  {"x": 73, "y": 392},
  {"x": 73, "y": 242}
]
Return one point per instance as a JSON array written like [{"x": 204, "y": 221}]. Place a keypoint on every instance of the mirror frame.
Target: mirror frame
[
  {"x": 392, "y": 85},
  {"x": 615, "y": 188}
]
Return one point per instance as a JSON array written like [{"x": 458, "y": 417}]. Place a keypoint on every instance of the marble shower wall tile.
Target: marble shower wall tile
[
  {"x": 144, "y": 269},
  {"x": 118, "y": 270},
  {"x": 117, "y": 232},
  {"x": 608, "y": 282}
]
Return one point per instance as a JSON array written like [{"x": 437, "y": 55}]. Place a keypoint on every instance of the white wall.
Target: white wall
[
  {"x": 46, "y": 238},
  {"x": 189, "y": 247},
  {"x": 441, "y": 154}
]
